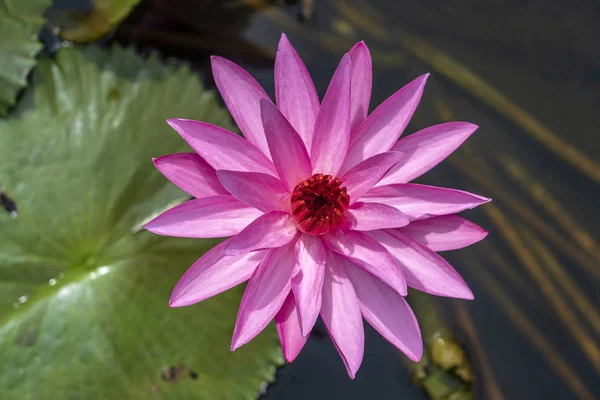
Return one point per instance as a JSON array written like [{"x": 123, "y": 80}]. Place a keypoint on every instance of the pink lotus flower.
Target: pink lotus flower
[{"x": 317, "y": 206}]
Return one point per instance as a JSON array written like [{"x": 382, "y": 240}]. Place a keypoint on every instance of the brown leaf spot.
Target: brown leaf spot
[
  {"x": 8, "y": 204},
  {"x": 27, "y": 338},
  {"x": 114, "y": 94},
  {"x": 173, "y": 373}
]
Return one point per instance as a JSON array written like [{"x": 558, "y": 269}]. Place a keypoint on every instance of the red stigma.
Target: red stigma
[{"x": 318, "y": 204}]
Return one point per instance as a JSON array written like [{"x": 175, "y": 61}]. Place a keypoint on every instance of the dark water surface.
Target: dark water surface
[{"x": 528, "y": 73}]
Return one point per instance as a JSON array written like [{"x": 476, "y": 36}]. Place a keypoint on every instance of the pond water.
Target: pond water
[{"x": 528, "y": 73}]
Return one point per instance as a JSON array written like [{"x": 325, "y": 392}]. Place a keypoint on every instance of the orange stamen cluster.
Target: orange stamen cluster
[{"x": 318, "y": 204}]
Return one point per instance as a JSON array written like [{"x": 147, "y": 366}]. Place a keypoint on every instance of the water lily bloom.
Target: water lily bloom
[{"x": 316, "y": 207}]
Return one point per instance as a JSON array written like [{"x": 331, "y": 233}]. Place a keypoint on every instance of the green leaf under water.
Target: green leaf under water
[
  {"x": 93, "y": 24},
  {"x": 20, "y": 22},
  {"x": 83, "y": 293}
]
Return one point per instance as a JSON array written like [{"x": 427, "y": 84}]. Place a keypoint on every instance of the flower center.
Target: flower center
[{"x": 318, "y": 204}]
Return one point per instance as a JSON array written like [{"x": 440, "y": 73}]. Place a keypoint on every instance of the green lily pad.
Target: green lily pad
[
  {"x": 84, "y": 26},
  {"x": 83, "y": 292},
  {"x": 20, "y": 22}
]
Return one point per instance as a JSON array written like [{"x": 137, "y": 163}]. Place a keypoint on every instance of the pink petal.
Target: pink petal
[
  {"x": 307, "y": 284},
  {"x": 190, "y": 173},
  {"x": 212, "y": 274},
  {"x": 426, "y": 149},
  {"x": 448, "y": 232},
  {"x": 424, "y": 269},
  {"x": 295, "y": 92},
  {"x": 341, "y": 315},
  {"x": 361, "y": 82},
  {"x": 242, "y": 96},
  {"x": 369, "y": 255},
  {"x": 262, "y": 191},
  {"x": 332, "y": 127},
  {"x": 289, "y": 154},
  {"x": 273, "y": 229},
  {"x": 373, "y": 216},
  {"x": 268, "y": 288},
  {"x": 388, "y": 313},
  {"x": 365, "y": 175},
  {"x": 288, "y": 328},
  {"x": 421, "y": 201},
  {"x": 210, "y": 217},
  {"x": 222, "y": 149},
  {"x": 383, "y": 127}
]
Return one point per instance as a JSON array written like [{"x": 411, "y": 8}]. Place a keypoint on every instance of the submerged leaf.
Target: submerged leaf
[
  {"x": 86, "y": 26},
  {"x": 83, "y": 295},
  {"x": 20, "y": 22}
]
